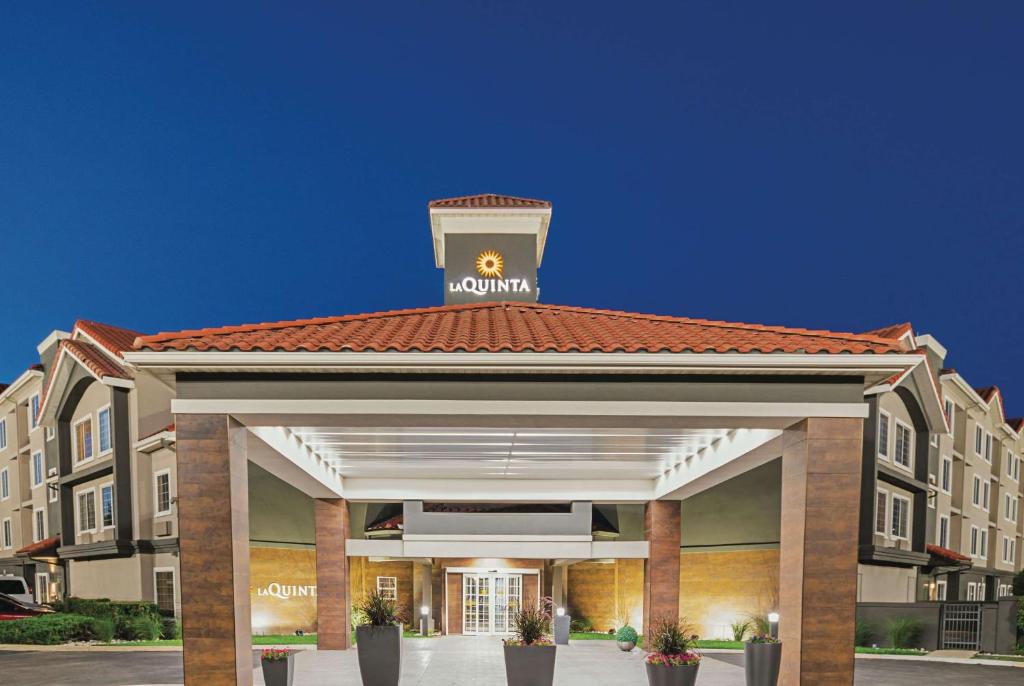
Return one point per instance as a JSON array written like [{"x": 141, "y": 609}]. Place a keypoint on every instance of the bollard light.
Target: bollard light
[
  {"x": 773, "y": 624},
  {"x": 424, "y": 610},
  {"x": 560, "y": 612},
  {"x": 773, "y": 617}
]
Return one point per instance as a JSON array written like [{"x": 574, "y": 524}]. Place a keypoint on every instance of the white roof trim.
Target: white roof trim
[
  {"x": 54, "y": 337},
  {"x": 25, "y": 377}
]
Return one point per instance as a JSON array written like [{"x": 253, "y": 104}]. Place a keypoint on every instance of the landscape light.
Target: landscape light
[
  {"x": 773, "y": 617},
  {"x": 560, "y": 612}
]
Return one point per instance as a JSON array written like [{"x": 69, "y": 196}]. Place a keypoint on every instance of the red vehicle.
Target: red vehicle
[{"x": 11, "y": 608}]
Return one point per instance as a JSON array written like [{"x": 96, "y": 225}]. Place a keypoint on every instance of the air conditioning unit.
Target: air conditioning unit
[
  {"x": 52, "y": 471},
  {"x": 164, "y": 528}
]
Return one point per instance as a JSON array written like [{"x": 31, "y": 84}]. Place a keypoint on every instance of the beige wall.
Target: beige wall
[
  {"x": 609, "y": 594},
  {"x": 718, "y": 588},
  {"x": 117, "y": 579},
  {"x": 877, "y": 584}
]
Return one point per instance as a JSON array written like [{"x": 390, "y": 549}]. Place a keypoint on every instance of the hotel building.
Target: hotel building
[{"x": 476, "y": 456}]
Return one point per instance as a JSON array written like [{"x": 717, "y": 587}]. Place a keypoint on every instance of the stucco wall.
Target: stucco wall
[
  {"x": 608, "y": 594},
  {"x": 718, "y": 588},
  {"x": 878, "y": 584},
  {"x": 117, "y": 579}
]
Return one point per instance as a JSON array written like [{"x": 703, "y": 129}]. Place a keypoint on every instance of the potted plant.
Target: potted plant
[
  {"x": 626, "y": 638},
  {"x": 673, "y": 659},
  {"x": 278, "y": 666},
  {"x": 379, "y": 640},
  {"x": 530, "y": 653},
  {"x": 762, "y": 655}
]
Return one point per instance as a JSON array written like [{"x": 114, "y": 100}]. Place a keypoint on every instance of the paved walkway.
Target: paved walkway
[{"x": 478, "y": 660}]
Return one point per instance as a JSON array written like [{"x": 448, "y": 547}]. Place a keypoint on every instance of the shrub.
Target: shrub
[
  {"x": 378, "y": 610},
  {"x": 581, "y": 625},
  {"x": 121, "y": 615},
  {"x": 626, "y": 634},
  {"x": 55, "y": 628},
  {"x": 531, "y": 625},
  {"x": 904, "y": 632},
  {"x": 170, "y": 628},
  {"x": 863, "y": 633},
  {"x": 759, "y": 623},
  {"x": 739, "y": 629},
  {"x": 144, "y": 628},
  {"x": 671, "y": 643}
]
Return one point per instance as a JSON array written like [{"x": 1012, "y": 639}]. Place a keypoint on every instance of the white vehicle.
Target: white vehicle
[{"x": 16, "y": 587}]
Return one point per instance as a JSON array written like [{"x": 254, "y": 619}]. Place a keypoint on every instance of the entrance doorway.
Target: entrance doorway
[{"x": 489, "y": 601}]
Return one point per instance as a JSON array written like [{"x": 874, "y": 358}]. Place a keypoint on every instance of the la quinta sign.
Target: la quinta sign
[{"x": 490, "y": 265}]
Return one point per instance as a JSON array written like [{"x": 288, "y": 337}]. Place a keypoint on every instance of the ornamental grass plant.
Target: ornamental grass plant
[{"x": 672, "y": 644}]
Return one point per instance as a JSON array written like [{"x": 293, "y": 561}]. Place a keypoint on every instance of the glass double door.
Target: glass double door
[{"x": 488, "y": 602}]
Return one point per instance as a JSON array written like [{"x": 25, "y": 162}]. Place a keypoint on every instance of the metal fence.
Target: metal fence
[{"x": 961, "y": 626}]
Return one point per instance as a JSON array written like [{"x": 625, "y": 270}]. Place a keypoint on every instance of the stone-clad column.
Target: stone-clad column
[
  {"x": 661, "y": 568},
  {"x": 821, "y": 463},
  {"x": 213, "y": 532},
  {"x": 333, "y": 607}
]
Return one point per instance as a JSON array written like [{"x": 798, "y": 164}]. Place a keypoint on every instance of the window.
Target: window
[
  {"x": 1015, "y": 506},
  {"x": 1007, "y": 550},
  {"x": 983, "y": 548},
  {"x": 50, "y": 433},
  {"x": 940, "y": 590},
  {"x": 1016, "y": 468},
  {"x": 986, "y": 488},
  {"x": 107, "y": 505},
  {"x": 8, "y": 535},
  {"x": 1009, "y": 464},
  {"x": 883, "y": 435},
  {"x": 1007, "y": 508},
  {"x": 904, "y": 445},
  {"x": 40, "y": 526},
  {"x": 37, "y": 468},
  {"x": 163, "y": 584},
  {"x": 87, "y": 511},
  {"x": 33, "y": 411},
  {"x": 988, "y": 448},
  {"x": 81, "y": 445},
  {"x": 974, "y": 541},
  {"x": 42, "y": 587},
  {"x": 946, "y": 476},
  {"x": 972, "y": 591},
  {"x": 388, "y": 587},
  {"x": 163, "y": 492},
  {"x": 3, "y": 434},
  {"x": 900, "y": 516},
  {"x": 53, "y": 491},
  {"x": 950, "y": 413},
  {"x": 943, "y": 531},
  {"x": 976, "y": 492},
  {"x": 881, "y": 510},
  {"x": 103, "y": 426},
  {"x": 979, "y": 437},
  {"x": 5, "y": 484}
]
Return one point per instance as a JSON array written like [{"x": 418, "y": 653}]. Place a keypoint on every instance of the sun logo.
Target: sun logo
[{"x": 490, "y": 264}]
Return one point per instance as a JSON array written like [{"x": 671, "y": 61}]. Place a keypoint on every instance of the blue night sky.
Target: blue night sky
[{"x": 844, "y": 166}]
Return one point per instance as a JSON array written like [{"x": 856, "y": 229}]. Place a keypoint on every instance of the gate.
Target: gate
[{"x": 961, "y": 626}]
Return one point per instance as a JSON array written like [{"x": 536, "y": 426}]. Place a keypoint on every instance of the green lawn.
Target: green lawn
[
  {"x": 720, "y": 644},
  {"x": 591, "y": 636},
  {"x": 268, "y": 640},
  {"x": 890, "y": 651}
]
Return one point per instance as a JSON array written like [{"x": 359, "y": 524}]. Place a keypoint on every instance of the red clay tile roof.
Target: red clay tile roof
[
  {"x": 1017, "y": 424},
  {"x": 95, "y": 361},
  {"x": 514, "y": 327},
  {"x": 36, "y": 549},
  {"x": 895, "y": 331},
  {"x": 489, "y": 200},
  {"x": 947, "y": 554},
  {"x": 113, "y": 338},
  {"x": 169, "y": 427},
  {"x": 987, "y": 392}
]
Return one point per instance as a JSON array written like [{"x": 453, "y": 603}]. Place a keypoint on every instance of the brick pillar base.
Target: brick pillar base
[
  {"x": 333, "y": 606},
  {"x": 213, "y": 534},
  {"x": 821, "y": 463},
  {"x": 661, "y": 568}
]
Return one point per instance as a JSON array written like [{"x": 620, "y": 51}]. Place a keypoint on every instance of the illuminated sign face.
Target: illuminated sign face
[{"x": 491, "y": 266}]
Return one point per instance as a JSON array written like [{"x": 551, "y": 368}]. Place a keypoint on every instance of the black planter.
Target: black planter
[
  {"x": 761, "y": 662},
  {"x": 683, "y": 675},
  {"x": 380, "y": 654},
  {"x": 530, "y": 665},
  {"x": 278, "y": 672}
]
